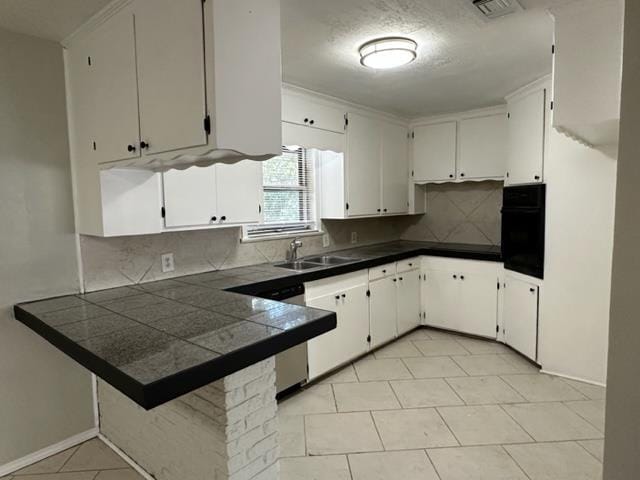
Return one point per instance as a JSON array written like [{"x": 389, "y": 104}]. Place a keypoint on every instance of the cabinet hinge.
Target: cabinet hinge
[
  {"x": 413, "y": 134},
  {"x": 553, "y": 49},
  {"x": 498, "y": 285},
  {"x": 552, "y": 105},
  {"x": 89, "y": 61},
  {"x": 412, "y": 173},
  {"x": 163, "y": 212},
  {"x": 259, "y": 208},
  {"x": 497, "y": 328},
  {"x": 368, "y": 338},
  {"x": 207, "y": 124},
  {"x": 347, "y": 205},
  {"x": 508, "y": 115},
  {"x": 95, "y": 147},
  {"x": 507, "y": 174},
  {"x": 346, "y": 120},
  {"x": 368, "y": 293}
]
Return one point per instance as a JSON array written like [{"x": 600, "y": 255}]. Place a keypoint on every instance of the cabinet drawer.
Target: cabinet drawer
[
  {"x": 382, "y": 271},
  {"x": 406, "y": 265},
  {"x": 304, "y": 112},
  {"x": 337, "y": 284},
  {"x": 460, "y": 265}
]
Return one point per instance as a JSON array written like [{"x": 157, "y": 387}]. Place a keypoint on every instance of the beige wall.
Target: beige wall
[
  {"x": 621, "y": 459},
  {"x": 44, "y": 397},
  {"x": 466, "y": 212},
  {"x": 574, "y": 319},
  {"x": 110, "y": 262}
]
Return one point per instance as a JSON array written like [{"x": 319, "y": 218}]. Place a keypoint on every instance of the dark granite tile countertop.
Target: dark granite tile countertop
[{"x": 157, "y": 341}]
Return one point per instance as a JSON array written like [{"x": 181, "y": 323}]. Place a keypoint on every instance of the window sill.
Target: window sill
[{"x": 279, "y": 236}]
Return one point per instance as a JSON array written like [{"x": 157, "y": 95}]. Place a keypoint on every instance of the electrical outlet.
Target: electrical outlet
[
  {"x": 354, "y": 237},
  {"x": 326, "y": 241},
  {"x": 167, "y": 263}
]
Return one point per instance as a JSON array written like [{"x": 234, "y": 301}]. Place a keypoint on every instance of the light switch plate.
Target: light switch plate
[
  {"x": 326, "y": 241},
  {"x": 354, "y": 237},
  {"x": 167, "y": 263}
]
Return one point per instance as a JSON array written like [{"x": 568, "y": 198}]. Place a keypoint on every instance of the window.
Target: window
[{"x": 289, "y": 201}]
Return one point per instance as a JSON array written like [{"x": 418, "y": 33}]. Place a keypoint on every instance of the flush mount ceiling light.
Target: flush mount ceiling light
[{"x": 390, "y": 52}]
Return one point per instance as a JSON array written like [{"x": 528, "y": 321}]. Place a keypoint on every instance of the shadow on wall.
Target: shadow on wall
[{"x": 466, "y": 212}]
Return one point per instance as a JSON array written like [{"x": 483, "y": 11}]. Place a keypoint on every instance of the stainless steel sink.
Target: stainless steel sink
[
  {"x": 298, "y": 265},
  {"x": 328, "y": 260}
]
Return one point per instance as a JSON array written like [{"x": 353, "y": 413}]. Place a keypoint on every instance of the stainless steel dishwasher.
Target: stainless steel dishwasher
[{"x": 291, "y": 365}]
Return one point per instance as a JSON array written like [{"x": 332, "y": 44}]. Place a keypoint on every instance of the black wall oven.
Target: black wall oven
[{"x": 523, "y": 216}]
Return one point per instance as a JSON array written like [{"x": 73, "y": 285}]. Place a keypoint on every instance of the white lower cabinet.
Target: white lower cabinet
[
  {"x": 460, "y": 295},
  {"x": 347, "y": 296},
  {"x": 520, "y": 316},
  {"x": 408, "y": 299},
  {"x": 383, "y": 316}
]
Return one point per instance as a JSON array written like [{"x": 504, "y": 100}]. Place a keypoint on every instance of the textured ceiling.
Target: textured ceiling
[
  {"x": 49, "y": 19},
  {"x": 464, "y": 61}
]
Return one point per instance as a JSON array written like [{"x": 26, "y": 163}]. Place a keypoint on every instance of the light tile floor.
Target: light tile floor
[
  {"x": 437, "y": 406},
  {"x": 430, "y": 406}
]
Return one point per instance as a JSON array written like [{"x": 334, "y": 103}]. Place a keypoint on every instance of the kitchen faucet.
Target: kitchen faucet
[{"x": 292, "y": 253}]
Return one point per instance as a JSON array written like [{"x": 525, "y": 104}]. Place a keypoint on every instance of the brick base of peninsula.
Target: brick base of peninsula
[{"x": 225, "y": 430}]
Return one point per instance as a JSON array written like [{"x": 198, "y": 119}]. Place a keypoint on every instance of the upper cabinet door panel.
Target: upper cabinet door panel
[
  {"x": 239, "y": 192},
  {"x": 114, "y": 88},
  {"x": 296, "y": 109},
  {"x": 434, "y": 152},
  {"x": 526, "y": 139},
  {"x": 363, "y": 165},
  {"x": 395, "y": 169},
  {"x": 170, "y": 48},
  {"x": 482, "y": 144},
  {"x": 190, "y": 197}
]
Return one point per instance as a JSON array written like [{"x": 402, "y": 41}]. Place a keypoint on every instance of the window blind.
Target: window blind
[{"x": 289, "y": 200}]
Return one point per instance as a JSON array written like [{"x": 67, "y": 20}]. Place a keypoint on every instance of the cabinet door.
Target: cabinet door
[
  {"x": 408, "y": 285},
  {"x": 326, "y": 351},
  {"x": 434, "y": 152},
  {"x": 239, "y": 192},
  {"x": 395, "y": 169},
  {"x": 526, "y": 139},
  {"x": 355, "y": 325},
  {"x": 382, "y": 305},
  {"x": 190, "y": 196},
  {"x": 363, "y": 166},
  {"x": 478, "y": 304},
  {"x": 299, "y": 110},
  {"x": 520, "y": 316},
  {"x": 482, "y": 147},
  {"x": 112, "y": 59},
  {"x": 442, "y": 297},
  {"x": 170, "y": 49}
]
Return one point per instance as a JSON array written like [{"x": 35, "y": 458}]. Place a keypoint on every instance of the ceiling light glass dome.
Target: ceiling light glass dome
[{"x": 390, "y": 52}]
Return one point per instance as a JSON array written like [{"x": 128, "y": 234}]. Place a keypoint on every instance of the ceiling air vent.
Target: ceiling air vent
[{"x": 497, "y": 8}]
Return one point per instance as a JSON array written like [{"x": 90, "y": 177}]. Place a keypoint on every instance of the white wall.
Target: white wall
[
  {"x": 574, "y": 321},
  {"x": 621, "y": 459},
  {"x": 44, "y": 396}
]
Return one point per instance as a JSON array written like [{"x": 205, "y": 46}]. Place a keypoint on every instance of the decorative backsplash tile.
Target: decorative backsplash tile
[{"x": 466, "y": 212}]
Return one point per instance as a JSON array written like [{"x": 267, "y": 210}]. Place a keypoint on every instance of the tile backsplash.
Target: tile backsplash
[
  {"x": 456, "y": 213},
  {"x": 117, "y": 261},
  {"x": 466, "y": 212}
]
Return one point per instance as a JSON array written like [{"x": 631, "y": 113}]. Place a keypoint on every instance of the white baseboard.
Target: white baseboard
[
  {"x": 32, "y": 458},
  {"x": 578, "y": 379},
  {"x": 126, "y": 458}
]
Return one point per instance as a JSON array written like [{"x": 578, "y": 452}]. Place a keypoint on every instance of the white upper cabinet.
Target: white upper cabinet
[
  {"x": 190, "y": 197},
  {"x": 239, "y": 192},
  {"x": 302, "y": 111},
  {"x": 363, "y": 166},
  {"x": 588, "y": 70},
  {"x": 111, "y": 87},
  {"x": 217, "y": 195},
  {"x": 482, "y": 147},
  {"x": 395, "y": 169},
  {"x": 527, "y": 136},
  {"x": 170, "y": 49},
  {"x": 434, "y": 152}
]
